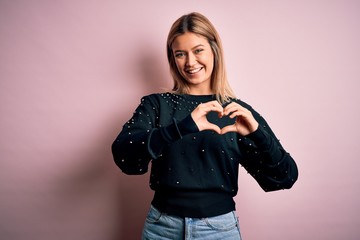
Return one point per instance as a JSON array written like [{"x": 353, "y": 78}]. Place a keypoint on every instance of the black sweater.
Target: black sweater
[{"x": 195, "y": 173}]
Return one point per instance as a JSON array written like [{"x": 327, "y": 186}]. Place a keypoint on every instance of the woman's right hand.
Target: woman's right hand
[{"x": 200, "y": 112}]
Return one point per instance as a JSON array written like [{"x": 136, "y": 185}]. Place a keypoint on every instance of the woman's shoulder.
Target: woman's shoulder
[
  {"x": 159, "y": 95},
  {"x": 242, "y": 103}
]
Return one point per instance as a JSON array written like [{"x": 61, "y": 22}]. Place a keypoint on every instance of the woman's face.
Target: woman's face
[{"x": 195, "y": 61}]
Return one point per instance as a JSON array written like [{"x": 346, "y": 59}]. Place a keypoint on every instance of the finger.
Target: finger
[
  {"x": 229, "y": 128},
  {"x": 235, "y": 109},
  {"x": 215, "y": 104},
  {"x": 213, "y": 127},
  {"x": 204, "y": 108},
  {"x": 240, "y": 113},
  {"x": 212, "y": 106},
  {"x": 246, "y": 120},
  {"x": 220, "y": 114},
  {"x": 231, "y": 108}
]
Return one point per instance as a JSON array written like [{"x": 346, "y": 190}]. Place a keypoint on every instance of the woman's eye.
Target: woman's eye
[
  {"x": 199, "y": 50},
  {"x": 179, "y": 54}
]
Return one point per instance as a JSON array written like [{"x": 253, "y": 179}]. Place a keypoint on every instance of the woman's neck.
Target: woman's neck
[{"x": 200, "y": 91}]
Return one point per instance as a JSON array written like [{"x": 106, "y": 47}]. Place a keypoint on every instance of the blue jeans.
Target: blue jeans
[{"x": 160, "y": 226}]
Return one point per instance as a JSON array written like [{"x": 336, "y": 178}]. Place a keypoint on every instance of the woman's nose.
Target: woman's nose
[{"x": 190, "y": 60}]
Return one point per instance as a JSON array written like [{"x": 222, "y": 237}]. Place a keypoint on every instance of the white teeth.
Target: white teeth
[{"x": 192, "y": 71}]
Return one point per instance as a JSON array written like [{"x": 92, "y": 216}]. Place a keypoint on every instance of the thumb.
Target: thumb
[
  {"x": 230, "y": 128},
  {"x": 213, "y": 127}
]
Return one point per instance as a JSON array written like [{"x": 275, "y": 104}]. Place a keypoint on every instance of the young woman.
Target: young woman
[{"x": 195, "y": 137}]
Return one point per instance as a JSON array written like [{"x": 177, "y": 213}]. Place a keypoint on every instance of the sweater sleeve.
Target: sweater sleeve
[
  {"x": 266, "y": 159},
  {"x": 142, "y": 139}
]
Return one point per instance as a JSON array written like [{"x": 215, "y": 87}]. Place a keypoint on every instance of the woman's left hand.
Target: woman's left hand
[{"x": 245, "y": 122}]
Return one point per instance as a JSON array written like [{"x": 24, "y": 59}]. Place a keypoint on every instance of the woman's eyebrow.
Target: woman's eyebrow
[{"x": 199, "y": 45}]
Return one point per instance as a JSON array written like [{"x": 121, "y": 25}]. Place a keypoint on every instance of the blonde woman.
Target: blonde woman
[{"x": 196, "y": 137}]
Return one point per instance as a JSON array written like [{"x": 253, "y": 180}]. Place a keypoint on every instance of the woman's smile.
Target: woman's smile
[{"x": 194, "y": 70}]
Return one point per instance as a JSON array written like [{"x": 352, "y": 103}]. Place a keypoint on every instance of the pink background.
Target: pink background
[{"x": 72, "y": 72}]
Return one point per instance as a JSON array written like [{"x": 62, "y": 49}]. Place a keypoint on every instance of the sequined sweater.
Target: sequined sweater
[{"x": 195, "y": 173}]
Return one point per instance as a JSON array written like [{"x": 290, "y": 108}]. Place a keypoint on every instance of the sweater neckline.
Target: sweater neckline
[{"x": 199, "y": 98}]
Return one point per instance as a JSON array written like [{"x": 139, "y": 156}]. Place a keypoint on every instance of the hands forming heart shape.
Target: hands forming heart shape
[{"x": 245, "y": 122}]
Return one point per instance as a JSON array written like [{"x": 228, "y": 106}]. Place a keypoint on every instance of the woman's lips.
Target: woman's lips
[{"x": 193, "y": 70}]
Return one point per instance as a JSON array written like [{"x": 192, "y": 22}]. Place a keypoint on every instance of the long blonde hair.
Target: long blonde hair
[{"x": 197, "y": 23}]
